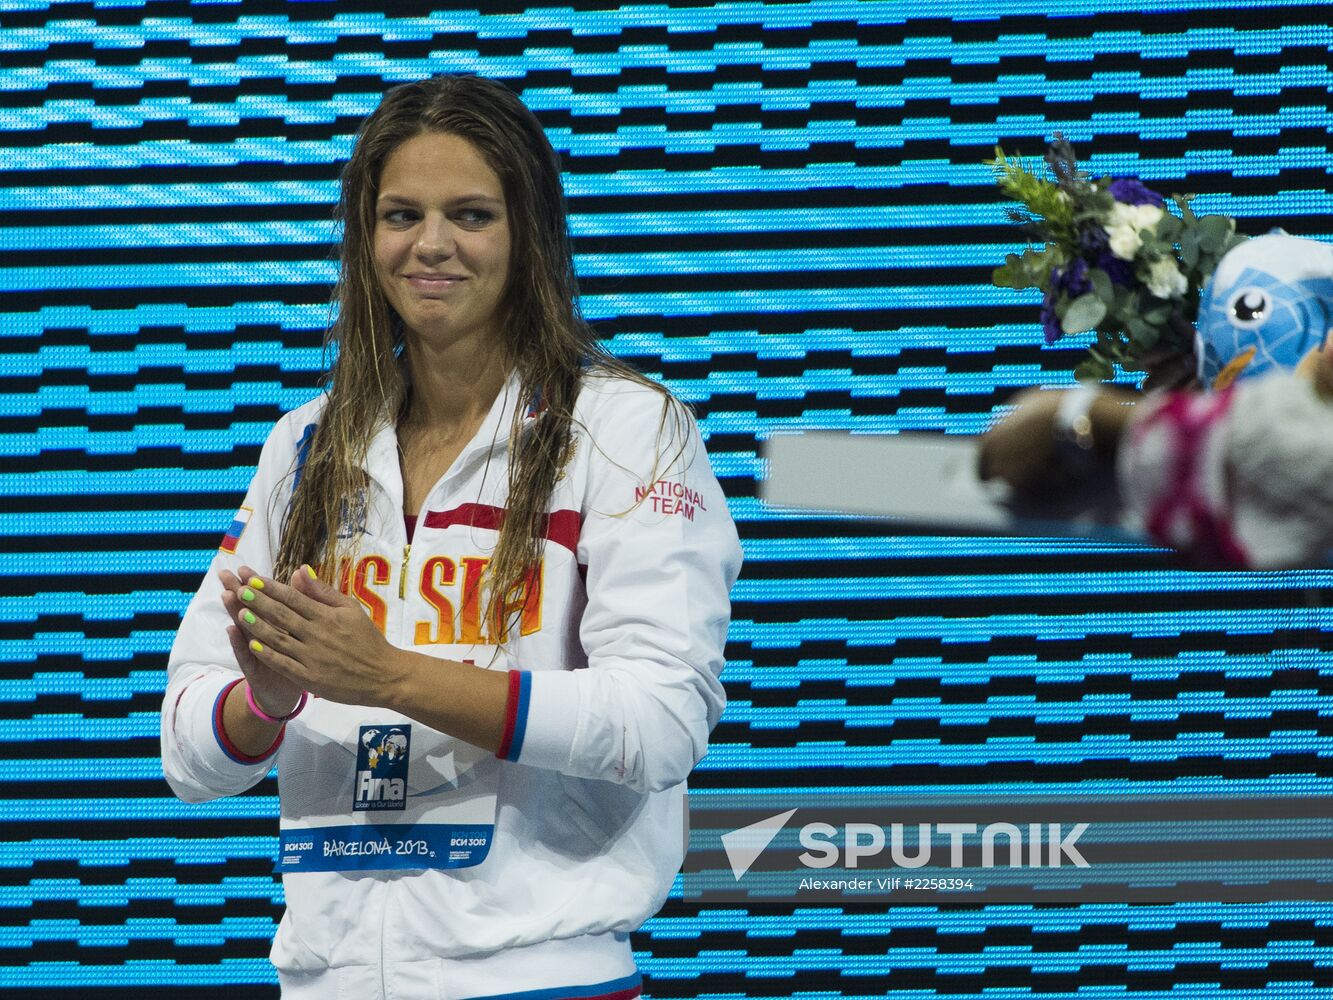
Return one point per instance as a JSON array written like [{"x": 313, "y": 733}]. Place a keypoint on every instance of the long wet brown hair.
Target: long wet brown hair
[{"x": 546, "y": 340}]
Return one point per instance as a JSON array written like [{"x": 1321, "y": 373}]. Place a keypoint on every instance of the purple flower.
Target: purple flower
[
  {"x": 1072, "y": 281},
  {"x": 1066, "y": 282},
  {"x": 1092, "y": 241},
  {"x": 1050, "y": 323},
  {"x": 1116, "y": 269},
  {"x": 1095, "y": 246},
  {"x": 1131, "y": 191}
]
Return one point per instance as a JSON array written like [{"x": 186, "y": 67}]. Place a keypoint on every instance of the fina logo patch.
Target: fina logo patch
[{"x": 381, "y": 768}]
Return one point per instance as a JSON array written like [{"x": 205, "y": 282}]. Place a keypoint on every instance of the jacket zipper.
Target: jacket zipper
[{"x": 402, "y": 578}]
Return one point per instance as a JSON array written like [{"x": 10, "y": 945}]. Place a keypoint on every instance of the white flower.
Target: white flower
[
  {"x": 1137, "y": 217},
  {"x": 1124, "y": 240},
  {"x": 1146, "y": 216},
  {"x": 1165, "y": 280}
]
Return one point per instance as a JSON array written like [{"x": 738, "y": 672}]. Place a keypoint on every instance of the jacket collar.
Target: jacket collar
[{"x": 492, "y": 436}]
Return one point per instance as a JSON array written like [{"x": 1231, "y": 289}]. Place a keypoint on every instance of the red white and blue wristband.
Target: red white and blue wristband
[{"x": 229, "y": 748}]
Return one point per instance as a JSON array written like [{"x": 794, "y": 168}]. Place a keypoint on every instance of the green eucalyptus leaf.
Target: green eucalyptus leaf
[
  {"x": 1207, "y": 265},
  {"x": 1010, "y": 274},
  {"x": 1030, "y": 270},
  {"x": 1169, "y": 228},
  {"x": 1004, "y": 277},
  {"x": 1093, "y": 370},
  {"x": 1189, "y": 249},
  {"x": 1214, "y": 232},
  {"x": 1157, "y": 315},
  {"x": 1101, "y": 285},
  {"x": 1145, "y": 336},
  {"x": 1084, "y": 313}
]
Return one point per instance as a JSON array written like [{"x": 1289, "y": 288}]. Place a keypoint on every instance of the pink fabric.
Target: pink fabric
[{"x": 1189, "y": 419}]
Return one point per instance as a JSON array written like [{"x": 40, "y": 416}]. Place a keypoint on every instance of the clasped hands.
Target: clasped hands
[{"x": 303, "y": 636}]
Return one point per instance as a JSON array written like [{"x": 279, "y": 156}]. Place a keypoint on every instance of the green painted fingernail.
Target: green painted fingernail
[
  {"x": 248, "y": 616},
  {"x": 247, "y": 594}
]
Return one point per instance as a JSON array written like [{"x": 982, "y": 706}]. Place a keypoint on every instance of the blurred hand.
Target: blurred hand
[
  {"x": 1021, "y": 449},
  {"x": 1026, "y": 451},
  {"x": 1323, "y": 372}
]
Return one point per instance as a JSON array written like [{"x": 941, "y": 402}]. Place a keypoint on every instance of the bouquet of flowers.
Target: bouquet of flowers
[{"x": 1112, "y": 260}]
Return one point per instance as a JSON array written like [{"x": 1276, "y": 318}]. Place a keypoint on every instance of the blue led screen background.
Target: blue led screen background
[{"x": 781, "y": 211}]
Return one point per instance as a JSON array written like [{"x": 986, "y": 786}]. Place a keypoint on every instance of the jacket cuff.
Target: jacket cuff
[
  {"x": 229, "y": 748},
  {"x": 516, "y": 715},
  {"x": 540, "y": 718}
]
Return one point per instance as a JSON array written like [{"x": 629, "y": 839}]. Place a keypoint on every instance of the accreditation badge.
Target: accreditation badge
[{"x": 363, "y": 790}]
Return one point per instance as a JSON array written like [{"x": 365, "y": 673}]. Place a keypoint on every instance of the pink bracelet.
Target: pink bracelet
[{"x": 277, "y": 720}]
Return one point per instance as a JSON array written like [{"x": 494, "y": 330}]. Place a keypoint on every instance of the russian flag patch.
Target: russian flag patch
[{"x": 233, "y": 536}]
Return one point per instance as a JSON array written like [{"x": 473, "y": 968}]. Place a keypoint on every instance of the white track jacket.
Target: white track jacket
[{"x": 617, "y": 644}]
